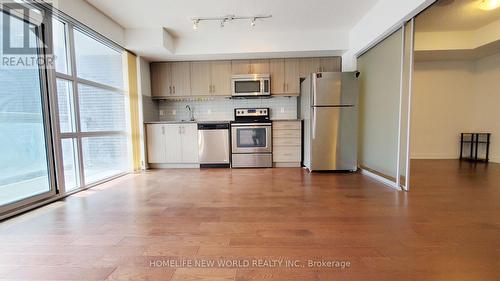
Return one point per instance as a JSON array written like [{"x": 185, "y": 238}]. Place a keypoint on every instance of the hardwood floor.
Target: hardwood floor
[{"x": 446, "y": 228}]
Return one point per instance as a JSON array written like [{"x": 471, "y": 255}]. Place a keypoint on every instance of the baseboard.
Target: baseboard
[
  {"x": 174, "y": 166},
  {"x": 380, "y": 179},
  {"x": 424, "y": 156},
  {"x": 287, "y": 164}
]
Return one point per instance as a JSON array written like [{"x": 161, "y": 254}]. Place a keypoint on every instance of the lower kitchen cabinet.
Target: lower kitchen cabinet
[
  {"x": 172, "y": 143},
  {"x": 287, "y": 143}
]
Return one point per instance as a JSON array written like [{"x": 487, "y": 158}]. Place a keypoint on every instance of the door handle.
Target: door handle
[{"x": 314, "y": 123}]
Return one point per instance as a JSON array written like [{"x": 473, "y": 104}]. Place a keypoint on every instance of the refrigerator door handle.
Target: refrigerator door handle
[
  {"x": 313, "y": 90},
  {"x": 313, "y": 123}
]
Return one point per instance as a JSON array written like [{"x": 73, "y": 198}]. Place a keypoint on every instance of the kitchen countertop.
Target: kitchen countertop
[{"x": 221, "y": 121}]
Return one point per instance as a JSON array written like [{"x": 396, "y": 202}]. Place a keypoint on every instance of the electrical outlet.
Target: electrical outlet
[
  {"x": 209, "y": 111},
  {"x": 282, "y": 109},
  {"x": 162, "y": 112},
  {"x": 174, "y": 112}
]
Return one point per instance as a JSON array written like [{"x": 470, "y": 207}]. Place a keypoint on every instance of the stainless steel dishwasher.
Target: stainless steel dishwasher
[{"x": 213, "y": 145}]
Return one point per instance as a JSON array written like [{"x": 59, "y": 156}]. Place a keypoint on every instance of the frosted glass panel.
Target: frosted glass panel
[
  {"x": 380, "y": 85},
  {"x": 65, "y": 106},
  {"x": 70, "y": 164}
]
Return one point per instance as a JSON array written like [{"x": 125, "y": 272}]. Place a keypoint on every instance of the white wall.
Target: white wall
[
  {"x": 450, "y": 97},
  {"x": 93, "y": 18},
  {"x": 487, "y": 95}
]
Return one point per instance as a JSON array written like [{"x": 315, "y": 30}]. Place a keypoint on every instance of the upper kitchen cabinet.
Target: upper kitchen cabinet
[
  {"x": 292, "y": 77},
  {"x": 250, "y": 66},
  {"x": 308, "y": 66},
  {"x": 285, "y": 77},
  {"x": 221, "y": 78},
  {"x": 331, "y": 64},
  {"x": 201, "y": 80},
  {"x": 240, "y": 67},
  {"x": 324, "y": 64},
  {"x": 181, "y": 79},
  {"x": 161, "y": 80},
  {"x": 259, "y": 67},
  {"x": 211, "y": 78},
  {"x": 277, "y": 72},
  {"x": 170, "y": 79}
]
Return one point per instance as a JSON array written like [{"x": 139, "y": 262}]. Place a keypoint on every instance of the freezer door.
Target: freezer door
[
  {"x": 334, "y": 138},
  {"x": 326, "y": 88}
]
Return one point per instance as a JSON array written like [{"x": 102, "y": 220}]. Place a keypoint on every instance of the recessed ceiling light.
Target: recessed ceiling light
[{"x": 488, "y": 5}]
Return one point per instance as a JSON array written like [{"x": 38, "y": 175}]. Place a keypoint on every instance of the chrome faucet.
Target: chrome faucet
[{"x": 191, "y": 113}]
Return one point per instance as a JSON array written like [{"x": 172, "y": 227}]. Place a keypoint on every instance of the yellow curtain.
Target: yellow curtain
[{"x": 130, "y": 60}]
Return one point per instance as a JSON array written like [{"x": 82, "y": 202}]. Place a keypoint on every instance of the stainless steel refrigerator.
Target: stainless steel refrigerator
[{"x": 329, "y": 109}]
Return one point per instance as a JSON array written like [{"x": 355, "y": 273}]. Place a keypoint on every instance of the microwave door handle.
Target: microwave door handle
[{"x": 314, "y": 123}]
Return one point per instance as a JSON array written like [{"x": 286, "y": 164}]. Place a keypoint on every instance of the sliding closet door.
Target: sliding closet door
[
  {"x": 385, "y": 97},
  {"x": 380, "y": 88}
]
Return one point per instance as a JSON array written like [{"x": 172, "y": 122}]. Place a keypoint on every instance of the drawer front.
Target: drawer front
[
  {"x": 286, "y": 125},
  {"x": 286, "y": 133},
  {"x": 287, "y": 154},
  {"x": 286, "y": 141}
]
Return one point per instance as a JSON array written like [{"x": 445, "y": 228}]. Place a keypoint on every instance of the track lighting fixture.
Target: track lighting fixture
[{"x": 228, "y": 18}]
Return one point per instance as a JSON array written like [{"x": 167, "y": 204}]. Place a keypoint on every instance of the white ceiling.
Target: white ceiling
[
  {"x": 296, "y": 26},
  {"x": 455, "y": 15}
]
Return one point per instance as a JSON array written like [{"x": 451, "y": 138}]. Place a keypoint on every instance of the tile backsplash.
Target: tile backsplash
[{"x": 222, "y": 109}]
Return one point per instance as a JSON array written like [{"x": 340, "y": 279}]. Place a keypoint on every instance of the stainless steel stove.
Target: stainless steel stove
[{"x": 251, "y": 138}]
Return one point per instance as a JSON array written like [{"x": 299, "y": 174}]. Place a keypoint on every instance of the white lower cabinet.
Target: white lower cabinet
[{"x": 172, "y": 143}]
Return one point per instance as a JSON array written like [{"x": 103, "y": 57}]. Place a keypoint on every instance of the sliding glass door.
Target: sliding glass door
[{"x": 25, "y": 141}]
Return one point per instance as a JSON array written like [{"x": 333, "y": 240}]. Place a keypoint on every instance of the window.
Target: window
[
  {"x": 92, "y": 108},
  {"x": 25, "y": 174}
]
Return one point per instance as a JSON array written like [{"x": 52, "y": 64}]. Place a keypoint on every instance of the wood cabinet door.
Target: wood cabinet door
[
  {"x": 201, "y": 83},
  {"x": 259, "y": 66},
  {"x": 156, "y": 143},
  {"x": 331, "y": 64},
  {"x": 181, "y": 79},
  {"x": 277, "y": 71},
  {"x": 160, "y": 79},
  {"x": 221, "y": 78},
  {"x": 308, "y": 66},
  {"x": 189, "y": 140},
  {"x": 240, "y": 67},
  {"x": 292, "y": 77},
  {"x": 173, "y": 143}
]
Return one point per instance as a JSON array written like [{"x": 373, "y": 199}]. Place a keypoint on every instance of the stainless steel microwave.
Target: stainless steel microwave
[{"x": 251, "y": 85}]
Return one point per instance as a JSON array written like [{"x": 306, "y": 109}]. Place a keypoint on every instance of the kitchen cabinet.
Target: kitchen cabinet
[
  {"x": 201, "y": 81},
  {"x": 285, "y": 77},
  {"x": 180, "y": 79},
  {"x": 287, "y": 143},
  {"x": 211, "y": 78},
  {"x": 240, "y": 67},
  {"x": 160, "y": 79},
  {"x": 330, "y": 64},
  {"x": 308, "y": 66},
  {"x": 277, "y": 71},
  {"x": 172, "y": 143},
  {"x": 170, "y": 79},
  {"x": 260, "y": 66},
  {"x": 221, "y": 78}
]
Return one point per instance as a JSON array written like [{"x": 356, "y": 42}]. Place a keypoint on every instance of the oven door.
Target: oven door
[{"x": 251, "y": 138}]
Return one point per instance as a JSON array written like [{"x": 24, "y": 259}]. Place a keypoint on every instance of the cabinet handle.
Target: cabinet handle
[
  {"x": 180, "y": 132},
  {"x": 174, "y": 89},
  {"x": 162, "y": 130},
  {"x": 213, "y": 89},
  {"x": 210, "y": 88},
  {"x": 170, "y": 89}
]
